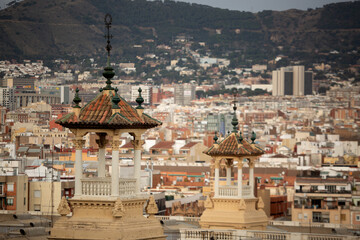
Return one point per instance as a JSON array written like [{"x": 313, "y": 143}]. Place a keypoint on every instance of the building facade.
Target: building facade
[{"x": 293, "y": 80}]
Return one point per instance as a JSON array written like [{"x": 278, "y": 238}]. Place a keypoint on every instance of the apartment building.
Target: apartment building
[
  {"x": 14, "y": 193},
  {"x": 320, "y": 197}
]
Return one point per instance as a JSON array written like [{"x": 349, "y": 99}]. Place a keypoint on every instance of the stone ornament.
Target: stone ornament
[
  {"x": 242, "y": 205},
  {"x": 209, "y": 203},
  {"x": 260, "y": 204},
  {"x": 64, "y": 208},
  {"x": 115, "y": 145},
  {"x": 151, "y": 208},
  {"x": 118, "y": 210}
]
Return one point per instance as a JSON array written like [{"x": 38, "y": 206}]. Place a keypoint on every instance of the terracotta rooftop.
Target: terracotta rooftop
[
  {"x": 189, "y": 145},
  {"x": 163, "y": 145},
  {"x": 232, "y": 146},
  {"x": 98, "y": 114}
]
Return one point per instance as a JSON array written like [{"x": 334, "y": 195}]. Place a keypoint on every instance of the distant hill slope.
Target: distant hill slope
[{"x": 61, "y": 28}]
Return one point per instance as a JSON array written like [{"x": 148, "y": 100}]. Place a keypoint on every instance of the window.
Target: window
[
  {"x": 300, "y": 216},
  {"x": 24, "y": 186},
  {"x": 1, "y": 189},
  {"x": 10, "y": 201},
  {"x": 179, "y": 179},
  {"x": 37, "y": 207},
  {"x": 343, "y": 217},
  {"x": 357, "y": 217},
  {"x": 24, "y": 201},
  {"x": 10, "y": 187},
  {"x": 37, "y": 193}
]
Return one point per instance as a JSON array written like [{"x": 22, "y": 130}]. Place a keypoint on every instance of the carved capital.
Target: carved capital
[
  {"x": 118, "y": 210},
  {"x": 137, "y": 144},
  {"x": 217, "y": 163},
  {"x": 115, "y": 144},
  {"x": 64, "y": 208},
  {"x": 78, "y": 143},
  {"x": 102, "y": 140},
  {"x": 229, "y": 163},
  {"x": 252, "y": 163},
  {"x": 240, "y": 164},
  {"x": 151, "y": 208}
]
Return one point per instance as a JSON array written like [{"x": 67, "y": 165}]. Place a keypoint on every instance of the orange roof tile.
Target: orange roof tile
[
  {"x": 98, "y": 114},
  {"x": 233, "y": 146}
]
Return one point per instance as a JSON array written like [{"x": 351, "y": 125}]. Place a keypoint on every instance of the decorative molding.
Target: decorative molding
[
  {"x": 260, "y": 204},
  {"x": 118, "y": 210},
  {"x": 151, "y": 207},
  {"x": 64, "y": 208},
  {"x": 209, "y": 203},
  {"x": 242, "y": 205}
]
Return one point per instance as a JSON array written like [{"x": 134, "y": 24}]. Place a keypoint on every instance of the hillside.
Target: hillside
[{"x": 61, "y": 28}]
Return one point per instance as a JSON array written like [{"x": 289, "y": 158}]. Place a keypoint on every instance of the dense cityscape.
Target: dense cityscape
[{"x": 194, "y": 133}]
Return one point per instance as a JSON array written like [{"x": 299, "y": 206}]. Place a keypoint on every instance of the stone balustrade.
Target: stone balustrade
[
  {"x": 102, "y": 187},
  {"x": 201, "y": 234},
  {"x": 232, "y": 191}
]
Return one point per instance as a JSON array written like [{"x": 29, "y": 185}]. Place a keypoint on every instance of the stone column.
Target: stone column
[
  {"x": 101, "y": 155},
  {"x": 137, "y": 142},
  {"x": 240, "y": 173},
  {"x": 217, "y": 166},
  {"x": 228, "y": 171},
  {"x": 115, "y": 167},
  {"x": 251, "y": 176},
  {"x": 78, "y": 143}
]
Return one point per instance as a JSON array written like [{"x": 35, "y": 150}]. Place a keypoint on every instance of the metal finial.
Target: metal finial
[
  {"x": 215, "y": 138},
  {"x": 77, "y": 99},
  {"x": 253, "y": 137},
  {"x": 109, "y": 71},
  {"x": 241, "y": 137},
  {"x": 115, "y": 100},
  {"x": 139, "y": 99},
  {"x": 108, "y": 36}
]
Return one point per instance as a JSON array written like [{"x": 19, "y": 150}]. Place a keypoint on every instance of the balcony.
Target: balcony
[
  {"x": 101, "y": 187},
  {"x": 232, "y": 191},
  {"x": 323, "y": 191}
]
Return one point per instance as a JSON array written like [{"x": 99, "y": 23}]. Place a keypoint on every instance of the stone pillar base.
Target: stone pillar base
[
  {"x": 231, "y": 213},
  {"x": 107, "y": 219}
]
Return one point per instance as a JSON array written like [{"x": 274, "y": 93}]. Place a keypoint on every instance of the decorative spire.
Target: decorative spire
[
  {"x": 115, "y": 100},
  {"x": 215, "y": 138},
  {"x": 234, "y": 121},
  {"x": 139, "y": 99},
  {"x": 253, "y": 137},
  {"x": 77, "y": 99},
  {"x": 108, "y": 70}
]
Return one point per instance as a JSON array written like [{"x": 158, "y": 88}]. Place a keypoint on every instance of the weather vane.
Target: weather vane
[{"x": 108, "y": 36}]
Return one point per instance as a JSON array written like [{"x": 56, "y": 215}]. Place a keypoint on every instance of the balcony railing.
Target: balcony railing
[
  {"x": 324, "y": 191},
  {"x": 232, "y": 191},
  {"x": 102, "y": 187}
]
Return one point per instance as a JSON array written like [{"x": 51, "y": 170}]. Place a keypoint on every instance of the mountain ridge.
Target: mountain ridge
[{"x": 63, "y": 28}]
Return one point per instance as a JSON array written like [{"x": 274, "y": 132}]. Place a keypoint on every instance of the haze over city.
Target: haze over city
[{"x": 159, "y": 120}]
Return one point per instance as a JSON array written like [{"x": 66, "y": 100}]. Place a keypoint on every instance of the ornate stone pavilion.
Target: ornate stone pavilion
[
  {"x": 107, "y": 207},
  {"x": 233, "y": 204}
]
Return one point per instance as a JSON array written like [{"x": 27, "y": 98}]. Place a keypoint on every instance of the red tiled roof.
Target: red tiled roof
[
  {"x": 189, "y": 145},
  {"x": 98, "y": 114},
  {"x": 163, "y": 145},
  {"x": 127, "y": 145},
  {"x": 232, "y": 146}
]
